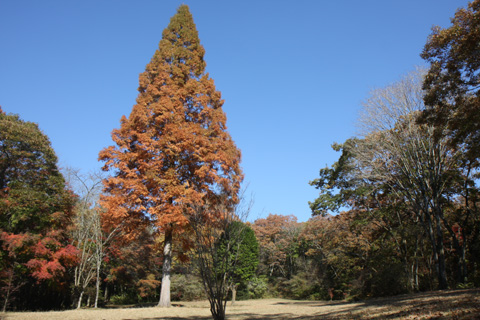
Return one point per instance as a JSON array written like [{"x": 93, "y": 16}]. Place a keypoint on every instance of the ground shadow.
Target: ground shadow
[
  {"x": 139, "y": 305},
  {"x": 173, "y": 318}
]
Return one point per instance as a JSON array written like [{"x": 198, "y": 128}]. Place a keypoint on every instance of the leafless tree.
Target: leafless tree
[
  {"x": 386, "y": 106},
  {"x": 87, "y": 233},
  {"x": 214, "y": 243},
  {"x": 413, "y": 159}
]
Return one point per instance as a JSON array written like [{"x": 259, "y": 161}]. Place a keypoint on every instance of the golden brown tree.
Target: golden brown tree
[
  {"x": 452, "y": 84},
  {"x": 173, "y": 152}
]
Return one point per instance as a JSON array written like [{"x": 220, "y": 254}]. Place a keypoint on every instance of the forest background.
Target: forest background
[{"x": 346, "y": 256}]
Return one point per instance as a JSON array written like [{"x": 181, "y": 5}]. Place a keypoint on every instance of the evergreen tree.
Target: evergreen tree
[
  {"x": 173, "y": 152},
  {"x": 244, "y": 254}
]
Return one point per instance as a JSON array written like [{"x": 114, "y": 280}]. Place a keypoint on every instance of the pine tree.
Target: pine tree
[{"x": 173, "y": 152}]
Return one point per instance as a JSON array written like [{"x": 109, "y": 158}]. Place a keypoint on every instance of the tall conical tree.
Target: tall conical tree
[{"x": 173, "y": 152}]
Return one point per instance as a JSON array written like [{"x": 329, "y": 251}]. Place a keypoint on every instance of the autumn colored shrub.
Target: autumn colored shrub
[{"x": 147, "y": 288}]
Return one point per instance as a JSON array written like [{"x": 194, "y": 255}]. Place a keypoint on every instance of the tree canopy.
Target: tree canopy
[
  {"x": 453, "y": 81},
  {"x": 30, "y": 181}
]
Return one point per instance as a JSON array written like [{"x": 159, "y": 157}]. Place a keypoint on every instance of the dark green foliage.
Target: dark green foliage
[
  {"x": 338, "y": 185},
  {"x": 125, "y": 298},
  {"x": 35, "y": 211},
  {"x": 31, "y": 186},
  {"x": 244, "y": 253}
]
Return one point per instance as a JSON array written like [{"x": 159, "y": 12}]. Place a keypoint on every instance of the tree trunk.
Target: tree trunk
[
  {"x": 79, "y": 305},
  {"x": 97, "y": 285},
  {"x": 5, "y": 303},
  {"x": 464, "y": 270},
  {"x": 416, "y": 287},
  {"x": 434, "y": 230},
  {"x": 217, "y": 308},
  {"x": 416, "y": 262},
  {"x": 167, "y": 264},
  {"x": 442, "y": 272},
  {"x": 105, "y": 294},
  {"x": 11, "y": 275},
  {"x": 234, "y": 293}
]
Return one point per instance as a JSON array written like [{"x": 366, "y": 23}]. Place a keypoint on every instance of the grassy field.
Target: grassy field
[{"x": 450, "y": 304}]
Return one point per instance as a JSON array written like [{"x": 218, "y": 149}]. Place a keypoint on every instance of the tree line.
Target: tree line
[{"x": 396, "y": 213}]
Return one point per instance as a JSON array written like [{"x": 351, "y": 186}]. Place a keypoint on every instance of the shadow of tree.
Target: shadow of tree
[
  {"x": 433, "y": 305},
  {"x": 174, "y": 318}
]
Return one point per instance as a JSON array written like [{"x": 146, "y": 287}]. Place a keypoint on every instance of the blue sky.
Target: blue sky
[{"x": 292, "y": 73}]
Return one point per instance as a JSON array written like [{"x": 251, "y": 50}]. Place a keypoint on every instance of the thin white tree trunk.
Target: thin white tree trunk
[
  {"x": 79, "y": 305},
  {"x": 97, "y": 289}
]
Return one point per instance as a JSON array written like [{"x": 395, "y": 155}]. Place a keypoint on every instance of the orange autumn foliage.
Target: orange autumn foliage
[
  {"x": 277, "y": 235},
  {"x": 173, "y": 152}
]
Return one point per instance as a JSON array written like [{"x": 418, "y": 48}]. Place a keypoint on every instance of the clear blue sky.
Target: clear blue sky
[{"x": 292, "y": 73}]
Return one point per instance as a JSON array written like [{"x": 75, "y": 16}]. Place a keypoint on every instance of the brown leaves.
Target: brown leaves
[{"x": 452, "y": 83}]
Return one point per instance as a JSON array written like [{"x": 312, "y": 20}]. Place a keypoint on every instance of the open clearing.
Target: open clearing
[{"x": 449, "y": 304}]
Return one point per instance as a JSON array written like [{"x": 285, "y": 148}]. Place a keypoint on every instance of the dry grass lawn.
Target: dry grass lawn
[{"x": 450, "y": 304}]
